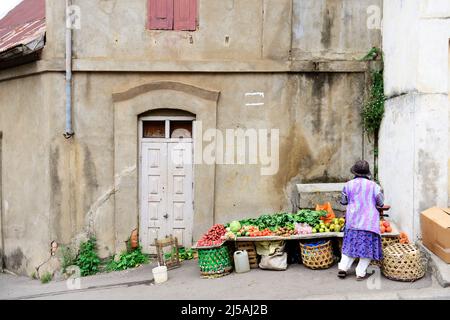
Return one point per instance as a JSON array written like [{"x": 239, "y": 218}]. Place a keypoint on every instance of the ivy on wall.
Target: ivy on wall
[{"x": 373, "y": 109}]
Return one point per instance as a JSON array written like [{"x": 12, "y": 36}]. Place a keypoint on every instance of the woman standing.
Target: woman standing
[{"x": 362, "y": 222}]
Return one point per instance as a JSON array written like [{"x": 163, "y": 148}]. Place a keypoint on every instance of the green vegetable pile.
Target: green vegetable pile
[
  {"x": 285, "y": 220},
  {"x": 183, "y": 254},
  {"x": 186, "y": 254}
]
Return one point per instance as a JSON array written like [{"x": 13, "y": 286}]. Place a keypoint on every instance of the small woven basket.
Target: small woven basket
[
  {"x": 403, "y": 262},
  {"x": 318, "y": 256},
  {"x": 214, "y": 262}
]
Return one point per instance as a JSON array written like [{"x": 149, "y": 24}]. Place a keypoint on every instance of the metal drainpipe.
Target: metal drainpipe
[{"x": 69, "y": 130}]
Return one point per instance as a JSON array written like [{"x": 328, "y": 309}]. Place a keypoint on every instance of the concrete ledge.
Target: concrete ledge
[
  {"x": 320, "y": 187},
  {"x": 439, "y": 269},
  {"x": 312, "y": 194},
  {"x": 32, "y": 68},
  {"x": 223, "y": 66}
]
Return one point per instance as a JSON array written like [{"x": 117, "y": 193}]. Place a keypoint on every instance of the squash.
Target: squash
[{"x": 404, "y": 238}]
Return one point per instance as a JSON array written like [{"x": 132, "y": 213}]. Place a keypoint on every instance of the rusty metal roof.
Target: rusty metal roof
[{"x": 23, "y": 28}]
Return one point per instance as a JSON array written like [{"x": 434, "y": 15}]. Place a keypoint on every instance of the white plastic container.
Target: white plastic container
[
  {"x": 241, "y": 262},
  {"x": 160, "y": 274}
]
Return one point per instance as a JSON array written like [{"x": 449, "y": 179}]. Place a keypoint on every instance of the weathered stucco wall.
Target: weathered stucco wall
[
  {"x": 25, "y": 171},
  {"x": 335, "y": 29},
  {"x": 243, "y": 30},
  {"x": 320, "y": 137},
  {"x": 88, "y": 184},
  {"x": 415, "y": 127},
  {"x": 230, "y": 29},
  {"x": 448, "y": 168}
]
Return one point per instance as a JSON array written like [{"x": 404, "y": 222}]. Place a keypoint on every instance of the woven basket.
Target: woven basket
[
  {"x": 385, "y": 242},
  {"x": 317, "y": 257},
  {"x": 403, "y": 262},
  {"x": 214, "y": 262},
  {"x": 251, "y": 251}
]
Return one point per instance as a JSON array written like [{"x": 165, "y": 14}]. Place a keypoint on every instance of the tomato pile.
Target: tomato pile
[
  {"x": 213, "y": 237},
  {"x": 385, "y": 226},
  {"x": 255, "y": 232}
]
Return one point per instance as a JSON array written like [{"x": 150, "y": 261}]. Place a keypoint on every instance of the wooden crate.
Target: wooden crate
[
  {"x": 171, "y": 243},
  {"x": 251, "y": 251}
]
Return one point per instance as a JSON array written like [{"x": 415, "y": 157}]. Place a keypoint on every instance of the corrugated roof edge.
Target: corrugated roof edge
[{"x": 23, "y": 37}]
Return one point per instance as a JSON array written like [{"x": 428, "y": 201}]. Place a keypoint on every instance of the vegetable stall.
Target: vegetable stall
[{"x": 316, "y": 235}]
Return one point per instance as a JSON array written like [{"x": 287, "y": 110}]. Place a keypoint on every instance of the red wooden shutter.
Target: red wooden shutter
[
  {"x": 160, "y": 14},
  {"x": 185, "y": 15}
]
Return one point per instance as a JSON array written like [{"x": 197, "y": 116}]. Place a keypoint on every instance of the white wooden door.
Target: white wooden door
[
  {"x": 153, "y": 224},
  {"x": 180, "y": 187},
  {"x": 166, "y": 193}
]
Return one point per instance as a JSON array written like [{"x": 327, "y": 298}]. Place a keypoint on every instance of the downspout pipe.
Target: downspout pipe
[{"x": 69, "y": 130}]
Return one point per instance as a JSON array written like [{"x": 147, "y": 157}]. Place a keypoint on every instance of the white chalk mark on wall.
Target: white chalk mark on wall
[
  {"x": 254, "y": 99},
  {"x": 249, "y": 94}
]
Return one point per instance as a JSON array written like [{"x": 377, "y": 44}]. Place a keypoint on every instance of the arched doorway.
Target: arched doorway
[
  {"x": 166, "y": 176},
  {"x": 129, "y": 106}
]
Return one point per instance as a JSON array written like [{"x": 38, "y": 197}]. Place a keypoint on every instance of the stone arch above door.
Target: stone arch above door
[
  {"x": 166, "y": 85},
  {"x": 128, "y": 105}
]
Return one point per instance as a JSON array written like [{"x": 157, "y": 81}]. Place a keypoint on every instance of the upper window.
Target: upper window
[{"x": 172, "y": 15}]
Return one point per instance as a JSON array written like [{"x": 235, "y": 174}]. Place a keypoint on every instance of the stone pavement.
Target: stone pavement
[
  {"x": 439, "y": 269},
  {"x": 297, "y": 282}
]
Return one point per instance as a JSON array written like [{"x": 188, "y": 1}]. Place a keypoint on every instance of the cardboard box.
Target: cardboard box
[{"x": 435, "y": 225}]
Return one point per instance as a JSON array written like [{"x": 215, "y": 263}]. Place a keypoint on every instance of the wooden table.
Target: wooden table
[{"x": 394, "y": 233}]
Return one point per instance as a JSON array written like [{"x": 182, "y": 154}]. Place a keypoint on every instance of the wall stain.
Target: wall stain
[
  {"x": 56, "y": 192},
  {"x": 55, "y": 180},
  {"x": 327, "y": 25},
  {"x": 429, "y": 171},
  {"x": 319, "y": 82},
  {"x": 15, "y": 260},
  {"x": 318, "y": 114}
]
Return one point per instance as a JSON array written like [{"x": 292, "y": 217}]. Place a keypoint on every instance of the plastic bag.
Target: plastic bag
[
  {"x": 277, "y": 261},
  {"x": 267, "y": 248},
  {"x": 330, "y": 213}
]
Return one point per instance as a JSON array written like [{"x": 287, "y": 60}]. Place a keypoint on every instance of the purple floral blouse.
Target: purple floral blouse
[{"x": 362, "y": 196}]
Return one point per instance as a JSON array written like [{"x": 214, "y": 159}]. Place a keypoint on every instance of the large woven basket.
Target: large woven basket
[
  {"x": 214, "y": 262},
  {"x": 403, "y": 262},
  {"x": 317, "y": 256},
  {"x": 385, "y": 242}
]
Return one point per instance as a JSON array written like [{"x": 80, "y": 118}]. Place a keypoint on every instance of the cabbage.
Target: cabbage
[{"x": 235, "y": 226}]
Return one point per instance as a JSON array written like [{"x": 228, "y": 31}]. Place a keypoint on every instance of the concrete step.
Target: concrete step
[{"x": 439, "y": 269}]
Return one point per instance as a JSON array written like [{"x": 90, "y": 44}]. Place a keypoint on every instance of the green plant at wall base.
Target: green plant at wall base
[
  {"x": 87, "y": 259},
  {"x": 127, "y": 260},
  {"x": 68, "y": 258},
  {"x": 373, "y": 110},
  {"x": 46, "y": 278}
]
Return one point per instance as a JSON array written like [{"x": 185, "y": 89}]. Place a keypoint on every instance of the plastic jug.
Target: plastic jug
[
  {"x": 241, "y": 262},
  {"x": 160, "y": 274}
]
